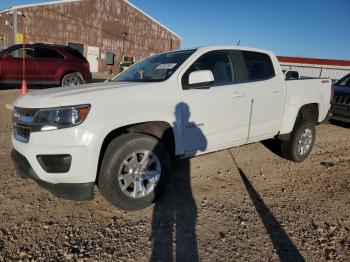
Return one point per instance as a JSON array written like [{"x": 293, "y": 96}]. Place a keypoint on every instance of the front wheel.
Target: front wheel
[
  {"x": 134, "y": 171},
  {"x": 300, "y": 143}
]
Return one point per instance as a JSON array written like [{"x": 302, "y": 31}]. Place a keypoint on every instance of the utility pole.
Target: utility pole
[{"x": 15, "y": 25}]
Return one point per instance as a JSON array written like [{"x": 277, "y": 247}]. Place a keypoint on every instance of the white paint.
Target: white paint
[
  {"x": 203, "y": 76},
  {"x": 93, "y": 57}
]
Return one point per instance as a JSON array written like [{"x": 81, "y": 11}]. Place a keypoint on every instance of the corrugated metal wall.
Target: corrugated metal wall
[
  {"x": 98, "y": 23},
  {"x": 318, "y": 71}
]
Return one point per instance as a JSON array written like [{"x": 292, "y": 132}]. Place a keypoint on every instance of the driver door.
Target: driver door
[{"x": 217, "y": 116}]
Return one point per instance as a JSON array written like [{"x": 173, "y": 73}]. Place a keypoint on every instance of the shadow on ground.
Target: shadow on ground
[
  {"x": 274, "y": 145},
  {"x": 340, "y": 124},
  {"x": 284, "y": 246}
]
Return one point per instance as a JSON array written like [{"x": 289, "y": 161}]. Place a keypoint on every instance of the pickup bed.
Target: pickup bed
[{"x": 122, "y": 135}]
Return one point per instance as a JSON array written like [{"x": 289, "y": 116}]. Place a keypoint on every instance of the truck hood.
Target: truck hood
[{"x": 82, "y": 94}]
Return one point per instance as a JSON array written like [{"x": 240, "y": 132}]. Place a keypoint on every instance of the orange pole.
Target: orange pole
[{"x": 24, "y": 82}]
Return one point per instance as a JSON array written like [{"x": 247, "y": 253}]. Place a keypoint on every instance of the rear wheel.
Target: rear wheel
[
  {"x": 300, "y": 143},
  {"x": 134, "y": 171},
  {"x": 72, "y": 79}
]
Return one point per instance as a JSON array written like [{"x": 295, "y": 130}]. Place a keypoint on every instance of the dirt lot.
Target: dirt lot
[{"x": 262, "y": 209}]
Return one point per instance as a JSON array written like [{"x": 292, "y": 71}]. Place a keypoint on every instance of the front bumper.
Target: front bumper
[
  {"x": 341, "y": 113},
  {"x": 70, "y": 191}
]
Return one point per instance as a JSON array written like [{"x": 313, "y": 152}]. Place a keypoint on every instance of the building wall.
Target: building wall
[
  {"x": 6, "y": 32},
  {"x": 317, "y": 71},
  {"x": 98, "y": 23}
]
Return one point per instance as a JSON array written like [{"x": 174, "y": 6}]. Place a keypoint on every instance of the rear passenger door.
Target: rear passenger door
[
  {"x": 267, "y": 91},
  {"x": 48, "y": 62}
]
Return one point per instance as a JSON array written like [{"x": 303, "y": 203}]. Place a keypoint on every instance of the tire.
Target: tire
[
  {"x": 72, "y": 79},
  {"x": 121, "y": 176},
  {"x": 300, "y": 143}
]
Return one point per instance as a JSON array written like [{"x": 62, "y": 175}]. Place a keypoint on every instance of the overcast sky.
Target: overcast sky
[{"x": 308, "y": 28}]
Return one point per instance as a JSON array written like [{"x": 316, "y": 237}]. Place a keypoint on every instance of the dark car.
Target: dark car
[
  {"x": 44, "y": 64},
  {"x": 341, "y": 102}
]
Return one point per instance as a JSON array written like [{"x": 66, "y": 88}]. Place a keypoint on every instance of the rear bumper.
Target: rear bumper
[{"x": 70, "y": 191}]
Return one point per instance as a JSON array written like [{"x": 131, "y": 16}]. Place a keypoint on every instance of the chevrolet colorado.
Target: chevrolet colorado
[{"x": 122, "y": 135}]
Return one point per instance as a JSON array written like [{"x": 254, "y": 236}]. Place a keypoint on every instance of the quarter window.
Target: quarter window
[
  {"x": 259, "y": 65},
  {"x": 77, "y": 46}
]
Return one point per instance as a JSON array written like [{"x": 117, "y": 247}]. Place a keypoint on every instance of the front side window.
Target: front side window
[
  {"x": 155, "y": 68},
  {"x": 344, "y": 82},
  {"x": 19, "y": 53},
  {"x": 47, "y": 53},
  {"x": 218, "y": 62},
  {"x": 259, "y": 66}
]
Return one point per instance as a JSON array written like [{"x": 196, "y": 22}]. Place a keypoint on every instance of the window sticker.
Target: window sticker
[{"x": 166, "y": 66}]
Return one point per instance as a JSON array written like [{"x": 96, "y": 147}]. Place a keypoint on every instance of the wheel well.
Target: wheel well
[
  {"x": 308, "y": 112},
  {"x": 160, "y": 130}
]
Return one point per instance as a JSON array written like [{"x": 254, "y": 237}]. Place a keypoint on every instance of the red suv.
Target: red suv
[{"x": 45, "y": 64}]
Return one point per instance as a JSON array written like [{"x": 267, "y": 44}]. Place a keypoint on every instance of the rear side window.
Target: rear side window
[
  {"x": 47, "y": 53},
  {"x": 75, "y": 53},
  {"x": 259, "y": 66}
]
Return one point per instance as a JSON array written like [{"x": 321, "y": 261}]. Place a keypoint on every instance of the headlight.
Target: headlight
[{"x": 60, "y": 117}]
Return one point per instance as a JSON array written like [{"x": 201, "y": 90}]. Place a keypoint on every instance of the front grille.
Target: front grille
[
  {"x": 342, "y": 100},
  {"x": 22, "y": 119}
]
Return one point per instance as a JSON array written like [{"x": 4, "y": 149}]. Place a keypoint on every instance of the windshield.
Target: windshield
[
  {"x": 156, "y": 68},
  {"x": 344, "y": 82}
]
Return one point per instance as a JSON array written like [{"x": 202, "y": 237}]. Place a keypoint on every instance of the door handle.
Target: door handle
[
  {"x": 276, "y": 90},
  {"x": 238, "y": 95}
]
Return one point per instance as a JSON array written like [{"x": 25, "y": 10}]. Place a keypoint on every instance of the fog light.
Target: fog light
[{"x": 55, "y": 163}]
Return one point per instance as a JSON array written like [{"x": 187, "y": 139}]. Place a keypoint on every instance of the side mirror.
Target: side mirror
[
  {"x": 290, "y": 75},
  {"x": 201, "y": 79}
]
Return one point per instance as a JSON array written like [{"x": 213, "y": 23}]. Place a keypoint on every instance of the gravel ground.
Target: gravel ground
[{"x": 243, "y": 204}]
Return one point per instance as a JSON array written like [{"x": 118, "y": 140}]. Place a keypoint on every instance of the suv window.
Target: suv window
[
  {"x": 344, "y": 82},
  {"x": 75, "y": 53},
  {"x": 218, "y": 62},
  {"x": 259, "y": 66},
  {"x": 47, "y": 53},
  {"x": 18, "y": 53}
]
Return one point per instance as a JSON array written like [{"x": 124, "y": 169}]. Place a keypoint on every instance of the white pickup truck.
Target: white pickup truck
[{"x": 122, "y": 135}]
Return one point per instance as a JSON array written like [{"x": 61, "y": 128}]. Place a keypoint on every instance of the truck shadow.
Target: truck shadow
[
  {"x": 284, "y": 246},
  {"x": 274, "y": 146},
  {"x": 174, "y": 219}
]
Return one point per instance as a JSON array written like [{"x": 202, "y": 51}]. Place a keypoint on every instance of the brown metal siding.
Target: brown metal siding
[
  {"x": 6, "y": 31},
  {"x": 93, "y": 23}
]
